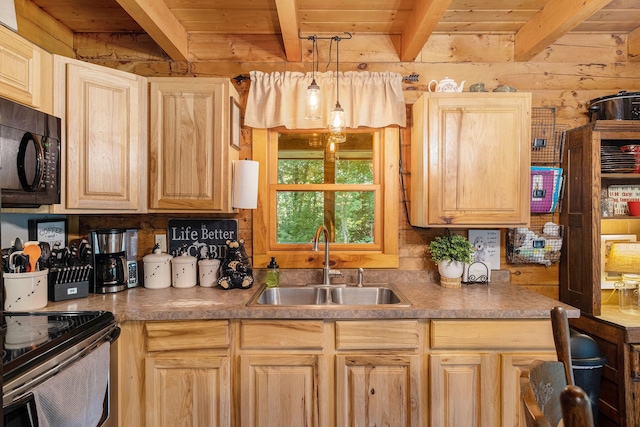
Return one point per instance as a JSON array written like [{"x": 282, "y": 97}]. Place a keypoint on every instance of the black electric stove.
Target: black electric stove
[{"x": 33, "y": 338}]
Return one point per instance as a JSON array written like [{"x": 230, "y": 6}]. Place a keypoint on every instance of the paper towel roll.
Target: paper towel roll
[{"x": 245, "y": 184}]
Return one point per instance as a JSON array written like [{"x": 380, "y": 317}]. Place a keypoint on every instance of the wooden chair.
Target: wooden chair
[
  {"x": 540, "y": 388},
  {"x": 562, "y": 340},
  {"x": 576, "y": 407}
]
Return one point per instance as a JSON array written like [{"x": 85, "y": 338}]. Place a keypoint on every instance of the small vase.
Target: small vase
[{"x": 450, "y": 273}]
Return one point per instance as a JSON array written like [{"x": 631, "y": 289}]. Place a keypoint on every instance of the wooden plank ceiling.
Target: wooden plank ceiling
[{"x": 174, "y": 24}]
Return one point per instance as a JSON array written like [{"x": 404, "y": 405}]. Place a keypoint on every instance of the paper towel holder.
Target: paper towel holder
[{"x": 244, "y": 187}]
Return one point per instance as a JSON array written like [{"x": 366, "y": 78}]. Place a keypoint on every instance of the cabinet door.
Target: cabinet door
[
  {"x": 465, "y": 390},
  {"x": 282, "y": 390},
  {"x": 580, "y": 215},
  {"x": 187, "y": 390},
  {"x": 379, "y": 390},
  {"x": 512, "y": 365},
  {"x": 103, "y": 111},
  {"x": 471, "y": 159},
  {"x": 190, "y": 156},
  {"x": 25, "y": 72}
]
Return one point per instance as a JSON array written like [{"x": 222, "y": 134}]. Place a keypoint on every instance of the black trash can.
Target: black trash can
[{"x": 587, "y": 367}]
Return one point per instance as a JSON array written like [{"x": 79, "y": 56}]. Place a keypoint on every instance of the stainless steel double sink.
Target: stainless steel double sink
[{"x": 334, "y": 295}]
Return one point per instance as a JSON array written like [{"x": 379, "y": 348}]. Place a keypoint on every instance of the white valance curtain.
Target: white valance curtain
[{"x": 368, "y": 99}]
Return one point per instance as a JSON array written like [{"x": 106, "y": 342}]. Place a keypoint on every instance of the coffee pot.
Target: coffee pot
[
  {"x": 111, "y": 270},
  {"x": 446, "y": 85}
]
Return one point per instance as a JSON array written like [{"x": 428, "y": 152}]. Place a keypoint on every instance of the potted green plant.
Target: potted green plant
[{"x": 450, "y": 252}]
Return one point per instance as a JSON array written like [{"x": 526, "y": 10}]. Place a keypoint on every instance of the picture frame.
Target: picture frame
[
  {"x": 234, "y": 128},
  {"x": 49, "y": 230},
  {"x": 606, "y": 240}
]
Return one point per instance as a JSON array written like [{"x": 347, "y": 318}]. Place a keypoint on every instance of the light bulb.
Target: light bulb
[
  {"x": 336, "y": 122},
  {"x": 312, "y": 106},
  {"x": 330, "y": 155}
]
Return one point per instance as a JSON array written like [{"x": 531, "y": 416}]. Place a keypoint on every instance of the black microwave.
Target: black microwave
[{"x": 29, "y": 156}]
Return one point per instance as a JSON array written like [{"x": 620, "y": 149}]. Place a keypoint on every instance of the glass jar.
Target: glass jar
[
  {"x": 628, "y": 293},
  {"x": 606, "y": 204}
]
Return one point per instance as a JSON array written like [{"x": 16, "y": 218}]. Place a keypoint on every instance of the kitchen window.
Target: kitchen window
[{"x": 351, "y": 188}]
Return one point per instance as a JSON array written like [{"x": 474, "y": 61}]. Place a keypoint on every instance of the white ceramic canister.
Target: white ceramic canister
[
  {"x": 157, "y": 270},
  {"x": 184, "y": 271},
  {"x": 25, "y": 291},
  {"x": 208, "y": 270}
]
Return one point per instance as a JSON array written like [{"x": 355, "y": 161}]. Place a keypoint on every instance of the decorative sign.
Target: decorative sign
[
  {"x": 201, "y": 238},
  {"x": 486, "y": 247},
  {"x": 51, "y": 231},
  {"x": 621, "y": 194}
]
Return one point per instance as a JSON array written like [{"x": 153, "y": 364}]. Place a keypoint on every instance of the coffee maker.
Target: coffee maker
[{"x": 110, "y": 272}]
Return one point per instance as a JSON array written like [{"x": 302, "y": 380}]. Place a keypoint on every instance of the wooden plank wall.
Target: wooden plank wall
[{"x": 574, "y": 70}]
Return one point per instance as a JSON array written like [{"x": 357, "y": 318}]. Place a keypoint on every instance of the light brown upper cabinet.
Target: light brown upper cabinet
[
  {"x": 103, "y": 161},
  {"x": 470, "y": 160},
  {"x": 190, "y": 156},
  {"x": 25, "y": 72}
]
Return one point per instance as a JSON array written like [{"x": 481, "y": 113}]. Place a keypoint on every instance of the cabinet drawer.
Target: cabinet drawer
[
  {"x": 492, "y": 334},
  {"x": 188, "y": 335},
  {"x": 383, "y": 334},
  {"x": 276, "y": 335}
]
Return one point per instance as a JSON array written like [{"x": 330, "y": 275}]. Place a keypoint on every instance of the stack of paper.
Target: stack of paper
[{"x": 545, "y": 188}]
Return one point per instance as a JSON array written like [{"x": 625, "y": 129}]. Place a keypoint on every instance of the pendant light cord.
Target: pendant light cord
[
  {"x": 337, "y": 71},
  {"x": 314, "y": 48}
]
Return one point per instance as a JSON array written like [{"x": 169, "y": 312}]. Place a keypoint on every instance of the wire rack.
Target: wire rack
[
  {"x": 536, "y": 245},
  {"x": 547, "y": 137}
]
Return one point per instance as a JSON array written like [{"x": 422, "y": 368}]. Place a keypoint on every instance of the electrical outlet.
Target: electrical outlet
[{"x": 161, "y": 241}]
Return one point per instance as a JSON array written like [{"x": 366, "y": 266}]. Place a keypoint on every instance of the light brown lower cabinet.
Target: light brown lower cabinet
[{"x": 326, "y": 373}]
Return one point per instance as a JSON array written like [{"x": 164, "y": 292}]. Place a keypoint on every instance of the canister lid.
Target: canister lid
[
  {"x": 156, "y": 256},
  {"x": 184, "y": 259}
]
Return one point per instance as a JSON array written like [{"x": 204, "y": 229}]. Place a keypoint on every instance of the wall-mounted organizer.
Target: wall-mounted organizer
[{"x": 542, "y": 242}]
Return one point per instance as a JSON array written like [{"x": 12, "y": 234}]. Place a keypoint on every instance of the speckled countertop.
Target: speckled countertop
[{"x": 497, "y": 300}]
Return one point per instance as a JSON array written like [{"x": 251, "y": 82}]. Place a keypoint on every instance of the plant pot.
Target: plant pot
[{"x": 450, "y": 273}]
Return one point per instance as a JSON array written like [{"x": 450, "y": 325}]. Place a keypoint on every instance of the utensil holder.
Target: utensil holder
[{"x": 25, "y": 291}]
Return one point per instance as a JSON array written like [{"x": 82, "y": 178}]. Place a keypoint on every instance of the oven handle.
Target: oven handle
[
  {"x": 24, "y": 399},
  {"x": 114, "y": 335}
]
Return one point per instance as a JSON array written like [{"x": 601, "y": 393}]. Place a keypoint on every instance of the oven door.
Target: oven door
[
  {"x": 20, "y": 405},
  {"x": 22, "y": 412}
]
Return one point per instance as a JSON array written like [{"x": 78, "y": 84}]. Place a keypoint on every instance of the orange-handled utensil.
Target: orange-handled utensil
[{"x": 34, "y": 253}]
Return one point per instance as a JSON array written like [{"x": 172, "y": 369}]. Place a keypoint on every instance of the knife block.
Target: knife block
[{"x": 65, "y": 285}]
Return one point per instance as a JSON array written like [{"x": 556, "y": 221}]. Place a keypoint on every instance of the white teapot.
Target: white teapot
[{"x": 446, "y": 85}]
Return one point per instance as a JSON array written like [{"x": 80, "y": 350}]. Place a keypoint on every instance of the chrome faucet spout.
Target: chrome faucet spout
[{"x": 326, "y": 277}]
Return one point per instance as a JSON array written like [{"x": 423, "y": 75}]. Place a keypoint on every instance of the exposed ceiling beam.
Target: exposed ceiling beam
[
  {"x": 161, "y": 24},
  {"x": 422, "y": 22},
  {"x": 552, "y": 22},
  {"x": 633, "y": 45},
  {"x": 289, "y": 24}
]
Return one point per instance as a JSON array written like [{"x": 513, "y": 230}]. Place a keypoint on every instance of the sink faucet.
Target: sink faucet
[{"x": 326, "y": 271}]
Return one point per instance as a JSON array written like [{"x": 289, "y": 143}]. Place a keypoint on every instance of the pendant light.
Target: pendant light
[
  {"x": 337, "y": 119},
  {"x": 313, "y": 101}
]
